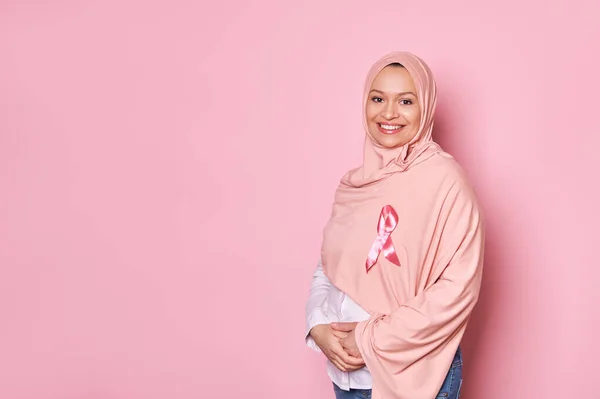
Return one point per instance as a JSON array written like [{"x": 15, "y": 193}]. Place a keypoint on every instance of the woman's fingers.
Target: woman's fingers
[
  {"x": 337, "y": 362},
  {"x": 341, "y": 365},
  {"x": 340, "y": 334},
  {"x": 346, "y": 326},
  {"x": 345, "y": 357}
]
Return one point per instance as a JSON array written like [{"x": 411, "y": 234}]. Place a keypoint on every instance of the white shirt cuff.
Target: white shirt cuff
[{"x": 316, "y": 318}]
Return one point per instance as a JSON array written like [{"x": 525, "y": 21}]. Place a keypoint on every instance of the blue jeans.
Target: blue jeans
[{"x": 450, "y": 388}]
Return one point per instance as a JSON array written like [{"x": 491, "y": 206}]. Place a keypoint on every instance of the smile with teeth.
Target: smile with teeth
[{"x": 390, "y": 128}]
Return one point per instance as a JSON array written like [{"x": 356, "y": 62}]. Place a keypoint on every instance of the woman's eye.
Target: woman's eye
[
  {"x": 406, "y": 102},
  {"x": 377, "y": 99}
]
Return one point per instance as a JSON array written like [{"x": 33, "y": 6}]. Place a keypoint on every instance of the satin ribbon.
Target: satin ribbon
[{"x": 388, "y": 220}]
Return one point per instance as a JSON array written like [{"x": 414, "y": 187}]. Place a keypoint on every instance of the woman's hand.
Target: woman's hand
[
  {"x": 348, "y": 342},
  {"x": 328, "y": 340}
]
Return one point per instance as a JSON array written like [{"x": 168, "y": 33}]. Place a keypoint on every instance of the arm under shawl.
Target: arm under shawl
[{"x": 410, "y": 346}]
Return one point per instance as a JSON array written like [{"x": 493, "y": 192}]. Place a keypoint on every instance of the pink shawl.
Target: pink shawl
[{"x": 420, "y": 308}]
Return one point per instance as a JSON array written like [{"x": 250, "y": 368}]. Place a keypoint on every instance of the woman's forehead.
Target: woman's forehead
[{"x": 393, "y": 79}]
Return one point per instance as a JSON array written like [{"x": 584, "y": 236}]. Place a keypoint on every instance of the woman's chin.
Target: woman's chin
[{"x": 390, "y": 141}]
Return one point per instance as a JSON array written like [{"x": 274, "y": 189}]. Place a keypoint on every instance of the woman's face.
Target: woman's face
[{"x": 392, "y": 109}]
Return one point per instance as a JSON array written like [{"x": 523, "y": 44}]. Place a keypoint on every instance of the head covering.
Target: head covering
[
  {"x": 405, "y": 242},
  {"x": 379, "y": 161}
]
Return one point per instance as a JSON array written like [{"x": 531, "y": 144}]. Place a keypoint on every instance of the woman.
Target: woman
[{"x": 401, "y": 260}]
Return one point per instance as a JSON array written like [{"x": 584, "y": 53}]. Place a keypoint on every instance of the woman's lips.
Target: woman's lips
[{"x": 389, "y": 129}]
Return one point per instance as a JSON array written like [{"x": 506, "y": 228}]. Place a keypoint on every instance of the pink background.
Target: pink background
[{"x": 167, "y": 167}]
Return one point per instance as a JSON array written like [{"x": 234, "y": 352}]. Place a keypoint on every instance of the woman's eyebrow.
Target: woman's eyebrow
[{"x": 398, "y": 94}]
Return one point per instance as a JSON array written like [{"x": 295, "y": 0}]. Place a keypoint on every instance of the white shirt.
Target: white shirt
[{"x": 327, "y": 304}]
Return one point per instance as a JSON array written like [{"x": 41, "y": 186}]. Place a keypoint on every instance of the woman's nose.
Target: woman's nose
[{"x": 390, "y": 111}]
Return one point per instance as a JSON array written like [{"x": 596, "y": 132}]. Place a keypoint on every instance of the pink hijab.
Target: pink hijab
[{"x": 405, "y": 241}]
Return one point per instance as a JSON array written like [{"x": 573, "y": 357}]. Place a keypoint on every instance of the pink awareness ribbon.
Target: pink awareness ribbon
[{"x": 388, "y": 220}]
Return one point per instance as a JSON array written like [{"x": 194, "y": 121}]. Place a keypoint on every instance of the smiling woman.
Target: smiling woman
[
  {"x": 402, "y": 253},
  {"x": 392, "y": 111}
]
